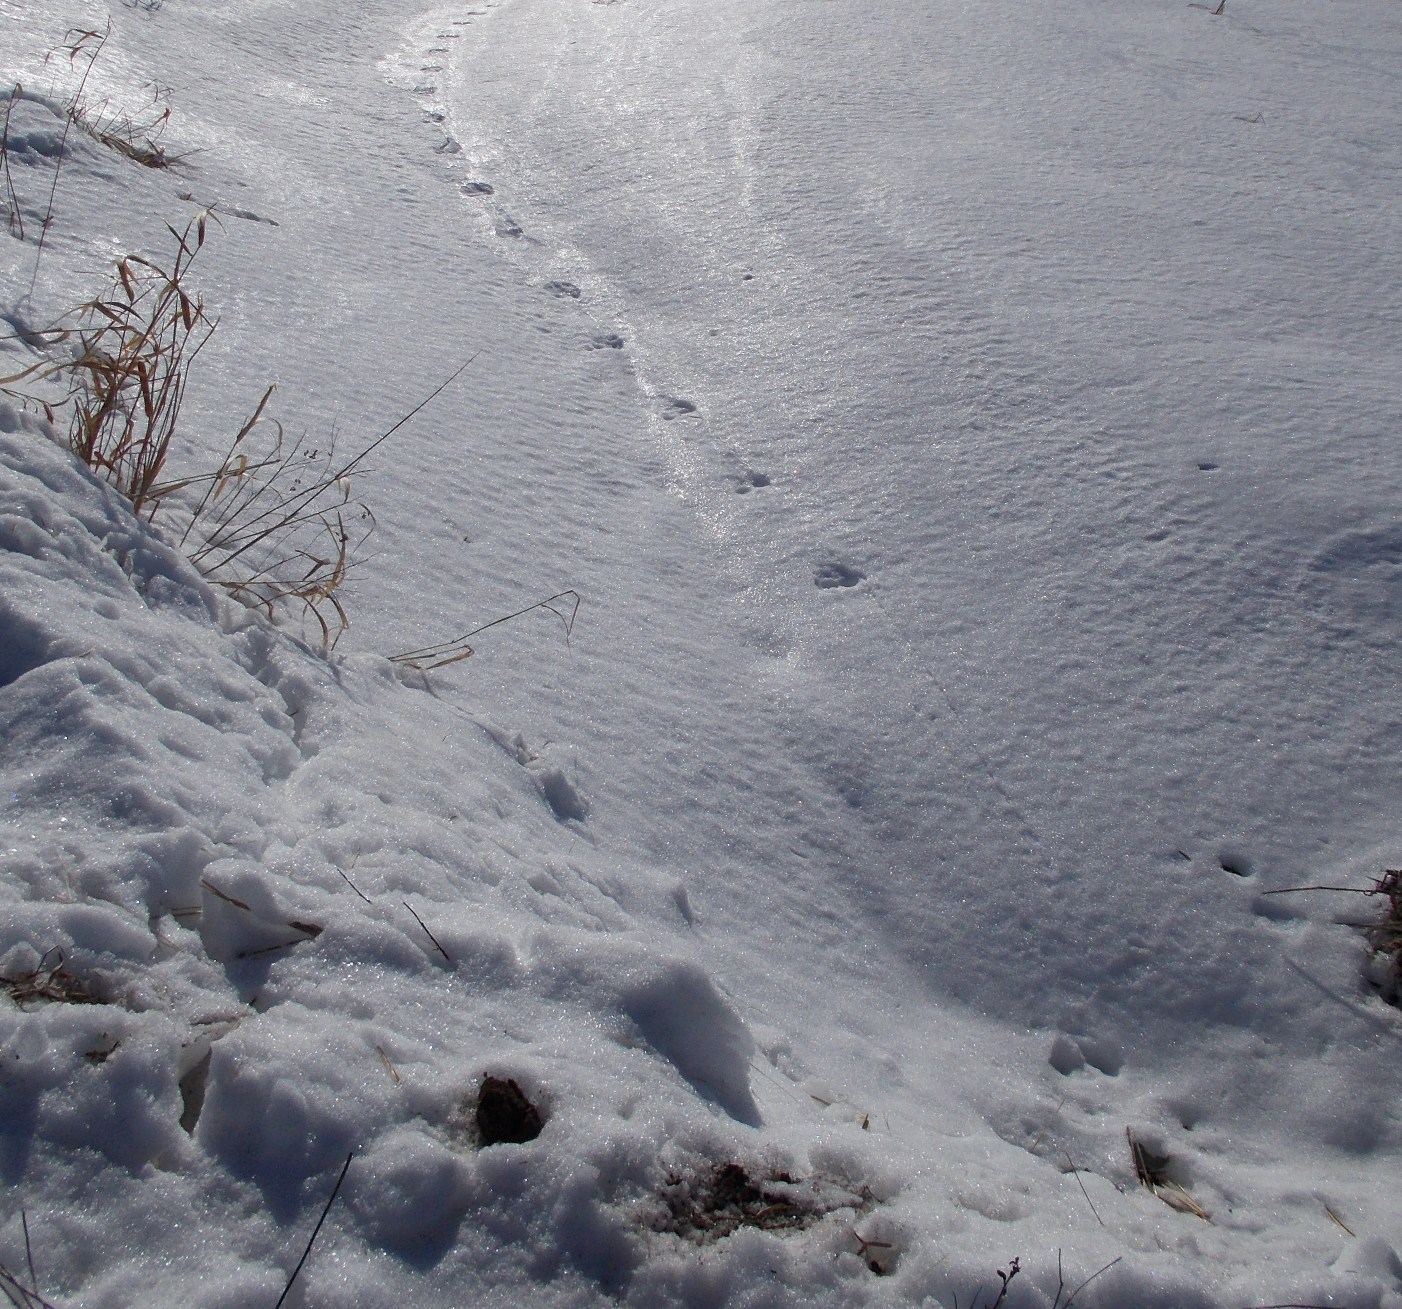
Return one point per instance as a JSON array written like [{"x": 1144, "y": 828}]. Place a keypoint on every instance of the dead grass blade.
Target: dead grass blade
[
  {"x": 77, "y": 44},
  {"x": 451, "y": 652},
  {"x": 1059, "y": 1303},
  {"x": 13, "y": 216},
  {"x": 1152, "y": 1171}
]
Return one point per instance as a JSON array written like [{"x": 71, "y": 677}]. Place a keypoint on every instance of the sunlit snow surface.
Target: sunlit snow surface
[{"x": 972, "y": 431}]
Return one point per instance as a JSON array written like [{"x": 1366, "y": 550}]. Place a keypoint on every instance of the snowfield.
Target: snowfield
[{"x": 970, "y": 433}]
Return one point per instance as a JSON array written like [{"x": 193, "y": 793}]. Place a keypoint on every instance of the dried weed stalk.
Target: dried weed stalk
[
  {"x": 14, "y": 218},
  {"x": 563, "y": 604},
  {"x": 276, "y": 524},
  {"x": 137, "y": 343},
  {"x": 1384, "y": 937}
]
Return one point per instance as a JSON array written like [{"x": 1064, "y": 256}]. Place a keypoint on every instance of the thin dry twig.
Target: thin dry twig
[
  {"x": 306, "y": 931},
  {"x": 1059, "y": 1303},
  {"x": 427, "y": 933},
  {"x": 1350, "y": 890},
  {"x": 355, "y": 888},
  {"x": 1076, "y": 1173},
  {"x": 335, "y": 1191}
]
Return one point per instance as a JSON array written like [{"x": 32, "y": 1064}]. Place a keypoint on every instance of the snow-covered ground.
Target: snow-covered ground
[{"x": 972, "y": 432}]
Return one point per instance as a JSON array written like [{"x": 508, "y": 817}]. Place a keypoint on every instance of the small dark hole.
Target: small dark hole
[{"x": 504, "y": 1115}]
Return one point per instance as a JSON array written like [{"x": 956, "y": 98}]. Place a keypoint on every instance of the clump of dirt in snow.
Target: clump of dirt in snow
[
  {"x": 504, "y": 1116},
  {"x": 713, "y": 1202}
]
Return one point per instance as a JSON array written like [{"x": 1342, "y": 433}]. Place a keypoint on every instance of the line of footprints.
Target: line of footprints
[{"x": 830, "y": 574}]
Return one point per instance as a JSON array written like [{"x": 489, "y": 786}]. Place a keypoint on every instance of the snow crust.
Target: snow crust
[{"x": 972, "y": 434}]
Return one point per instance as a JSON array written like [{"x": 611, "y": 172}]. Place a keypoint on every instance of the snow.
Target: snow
[{"x": 970, "y": 432}]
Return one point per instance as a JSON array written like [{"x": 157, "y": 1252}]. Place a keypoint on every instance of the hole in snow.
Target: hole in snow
[{"x": 503, "y": 1115}]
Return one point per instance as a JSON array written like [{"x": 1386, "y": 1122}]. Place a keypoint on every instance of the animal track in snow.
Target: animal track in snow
[
  {"x": 827, "y": 576},
  {"x": 1234, "y": 862},
  {"x": 1070, "y": 1054},
  {"x": 673, "y": 407},
  {"x": 555, "y": 788},
  {"x": 749, "y": 481}
]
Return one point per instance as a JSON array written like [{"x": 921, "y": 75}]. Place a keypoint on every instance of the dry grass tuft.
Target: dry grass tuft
[
  {"x": 48, "y": 983},
  {"x": 135, "y": 134},
  {"x": 276, "y": 524},
  {"x": 131, "y": 351},
  {"x": 126, "y": 385}
]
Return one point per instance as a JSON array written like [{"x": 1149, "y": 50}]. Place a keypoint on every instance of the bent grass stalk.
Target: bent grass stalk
[{"x": 451, "y": 652}]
